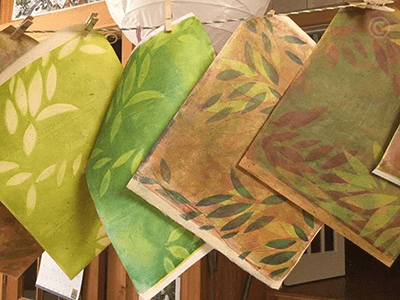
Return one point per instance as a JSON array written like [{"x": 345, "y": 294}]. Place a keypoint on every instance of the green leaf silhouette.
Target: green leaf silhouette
[
  {"x": 278, "y": 272},
  {"x": 105, "y": 183},
  {"x": 144, "y": 96},
  {"x": 276, "y": 94},
  {"x": 190, "y": 215},
  {"x": 254, "y": 103},
  {"x": 213, "y": 200},
  {"x": 278, "y": 258},
  {"x": 294, "y": 57},
  {"x": 244, "y": 254},
  {"x": 241, "y": 90},
  {"x": 229, "y": 235},
  {"x": 176, "y": 234},
  {"x": 168, "y": 265},
  {"x": 271, "y": 71},
  {"x": 293, "y": 40},
  {"x": 300, "y": 233},
  {"x": 379, "y": 219},
  {"x": 144, "y": 70},
  {"x": 259, "y": 223},
  {"x": 95, "y": 152},
  {"x": 229, "y": 74},
  {"x": 229, "y": 210},
  {"x": 248, "y": 56},
  {"x": 239, "y": 186},
  {"x": 115, "y": 126},
  {"x": 267, "y": 43},
  {"x": 370, "y": 201},
  {"x": 223, "y": 113},
  {"x": 147, "y": 180},
  {"x": 211, "y": 101},
  {"x": 274, "y": 200},
  {"x": 280, "y": 244},
  {"x": 308, "y": 218},
  {"x": 123, "y": 159},
  {"x": 178, "y": 252},
  {"x": 250, "y": 25},
  {"x": 237, "y": 222},
  {"x": 101, "y": 163},
  {"x": 269, "y": 25},
  {"x": 206, "y": 227},
  {"x": 177, "y": 197},
  {"x": 165, "y": 171}
]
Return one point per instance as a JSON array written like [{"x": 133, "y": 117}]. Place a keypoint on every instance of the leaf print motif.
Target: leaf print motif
[
  {"x": 105, "y": 183},
  {"x": 358, "y": 166},
  {"x": 241, "y": 90},
  {"x": 308, "y": 218},
  {"x": 45, "y": 59},
  {"x": 12, "y": 85},
  {"x": 386, "y": 236},
  {"x": 95, "y": 152},
  {"x": 308, "y": 117},
  {"x": 267, "y": 43},
  {"x": 76, "y": 164},
  {"x": 54, "y": 110},
  {"x": 360, "y": 48},
  {"x": 254, "y": 103},
  {"x": 278, "y": 258},
  {"x": 206, "y": 227},
  {"x": 278, "y": 272},
  {"x": 306, "y": 144},
  {"x": 319, "y": 153},
  {"x": 61, "y": 173},
  {"x": 229, "y": 210},
  {"x": 244, "y": 254},
  {"x": 239, "y": 186},
  {"x": 68, "y": 48},
  {"x": 11, "y": 117},
  {"x": 29, "y": 139},
  {"x": 165, "y": 171},
  {"x": 237, "y": 222},
  {"x": 380, "y": 56},
  {"x": 349, "y": 55},
  {"x": 333, "y": 54},
  {"x": 259, "y": 223},
  {"x": 115, "y": 126},
  {"x": 229, "y": 235},
  {"x": 21, "y": 97},
  {"x": 293, "y": 40},
  {"x": 294, "y": 57},
  {"x": 271, "y": 71},
  {"x": 211, "y": 101},
  {"x": 168, "y": 265},
  {"x": 176, "y": 234},
  {"x": 188, "y": 40},
  {"x": 31, "y": 200},
  {"x": 123, "y": 159},
  {"x": 101, "y": 163},
  {"x": 269, "y": 25},
  {"x": 136, "y": 161},
  {"x": 213, "y": 200},
  {"x": 104, "y": 242},
  {"x": 274, "y": 200},
  {"x": 276, "y": 94},
  {"x": 280, "y": 244},
  {"x": 248, "y": 55},
  {"x": 250, "y": 25},
  {"x": 396, "y": 85},
  {"x": 370, "y": 201},
  {"x": 223, "y": 113},
  {"x": 46, "y": 173},
  {"x": 144, "y": 96},
  {"x": 92, "y": 49},
  {"x": 177, "y": 197},
  {"x": 300, "y": 233},
  {"x": 35, "y": 93},
  {"x": 18, "y": 179},
  {"x": 178, "y": 252},
  {"x": 51, "y": 83},
  {"x": 190, "y": 215},
  {"x": 229, "y": 75},
  {"x": 147, "y": 180},
  {"x": 377, "y": 150},
  {"x": 144, "y": 70},
  {"x": 379, "y": 219},
  {"x": 6, "y": 166},
  {"x": 335, "y": 161}
]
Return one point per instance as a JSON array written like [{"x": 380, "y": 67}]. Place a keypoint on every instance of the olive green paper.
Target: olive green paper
[
  {"x": 326, "y": 135},
  {"x": 191, "y": 174},
  {"x": 52, "y": 103},
  {"x": 159, "y": 75}
]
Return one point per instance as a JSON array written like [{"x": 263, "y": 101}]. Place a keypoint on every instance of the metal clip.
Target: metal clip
[
  {"x": 168, "y": 16},
  {"x": 271, "y": 13},
  {"x": 21, "y": 28},
  {"x": 90, "y": 22}
]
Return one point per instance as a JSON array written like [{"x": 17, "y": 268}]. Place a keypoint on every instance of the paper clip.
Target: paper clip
[
  {"x": 379, "y": 5},
  {"x": 21, "y": 28},
  {"x": 168, "y": 16},
  {"x": 90, "y": 22}
]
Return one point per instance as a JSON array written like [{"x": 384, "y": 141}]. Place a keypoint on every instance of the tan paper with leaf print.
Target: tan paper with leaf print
[{"x": 192, "y": 175}]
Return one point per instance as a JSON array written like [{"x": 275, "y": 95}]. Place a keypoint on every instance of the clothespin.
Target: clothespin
[
  {"x": 90, "y": 22},
  {"x": 22, "y": 27},
  {"x": 271, "y": 13},
  {"x": 168, "y": 16},
  {"x": 379, "y": 5}
]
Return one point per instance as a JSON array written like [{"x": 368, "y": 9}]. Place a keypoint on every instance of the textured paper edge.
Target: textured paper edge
[
  {"x": 186, "y": 264},
  {"x": 386, "y": 176},
  {"x": 313, "y": 209}
]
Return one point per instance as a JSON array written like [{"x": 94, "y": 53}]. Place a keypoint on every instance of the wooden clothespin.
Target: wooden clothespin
[
  {"x": 90, "y": 22},
  {"x": 271, "y": 13},
  {"x": 21, "y": 28},
  {"x": 168, "y": 15},
  {"x": 379, "y": 5}
]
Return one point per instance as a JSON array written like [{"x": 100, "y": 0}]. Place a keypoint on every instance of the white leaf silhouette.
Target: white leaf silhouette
[
  {"x": 12, "y": 84},
  {"x": 20, "y": 97},
  {"x": 11, "y": 117},
  {"x": 6, "y": 166},
  {"x": 29, "y": 139},
  {"x": 18, "y": 179},
  {"x": 35, "y": 93},
  {"x": 46, "y": 173},
  {"x": 45, "y": 59},
  {"x": 92, "y": 49},
  {"x": 51, "y": 82},
  {"x": 55, "y": 109},
  {"x": 68, "y": 48},
  {"x": 61, "y": 173},
  {"x": 76, "y": 164},
  {"x": 31, "y": 199}
]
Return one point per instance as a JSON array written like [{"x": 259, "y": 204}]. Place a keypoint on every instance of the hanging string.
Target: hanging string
[{"x": 306, "y": 11}]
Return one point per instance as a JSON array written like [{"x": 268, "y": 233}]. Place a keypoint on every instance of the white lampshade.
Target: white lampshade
[{"x": 148, "y": 13}]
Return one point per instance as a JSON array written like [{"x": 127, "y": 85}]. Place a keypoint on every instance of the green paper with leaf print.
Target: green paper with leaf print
[
  {"x": 51, "y": 111},
  {"x": 326, "y": 135},
  {"x": 157, "y": 79}
]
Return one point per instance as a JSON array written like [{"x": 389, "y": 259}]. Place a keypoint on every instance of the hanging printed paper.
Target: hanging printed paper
[
  {"x": 389, "y": 166},
  {"x": 322, "y": 141},
  {"x": 52, "y": 105},
  {"x": 192, "y": 175},
  {"x": 157, "y": 79}
]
